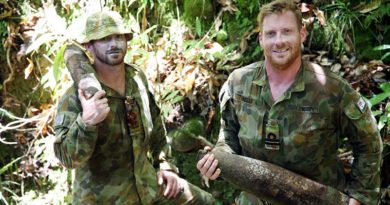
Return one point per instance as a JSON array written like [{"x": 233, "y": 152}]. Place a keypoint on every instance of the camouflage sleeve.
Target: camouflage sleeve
[
  {"x": 358, "y": 124},
  {"x": 161, "y": 150},
  {"x": 75, "y": 141},
  {"x": 228, "y": 134}
]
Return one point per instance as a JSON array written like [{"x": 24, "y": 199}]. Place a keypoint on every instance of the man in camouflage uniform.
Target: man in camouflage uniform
[
  {"x": 295, "y": 114},
  {"x": 116, "y": 140}
]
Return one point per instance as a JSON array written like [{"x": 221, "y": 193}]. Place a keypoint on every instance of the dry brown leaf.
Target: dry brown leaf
[
  {"x": 188, "y": 69},
  {"x": 29, "y": 69},
  {"x": 336, "y": 67},
  {"x": 218, "y": 22},
  {"x": 367, "y": 7},
  {"x": 189, "y": 82},
  {"x": 21, "y": 138},
  {"x": 227, "y": 5},
  {"x": 243, "y": 45},
  {"x": 320, "y": 16}
]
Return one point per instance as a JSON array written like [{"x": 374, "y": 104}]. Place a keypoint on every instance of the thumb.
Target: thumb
[
  {"x": 81, "y": 96},
  {"x": 160, "y": 178}
]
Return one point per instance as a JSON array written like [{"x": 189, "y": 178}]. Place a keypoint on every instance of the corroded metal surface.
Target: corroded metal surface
[
  {"x": 184, "y": 141},
  {"x": 275, "y": 184},
  {"x": 81, "y": 70}
]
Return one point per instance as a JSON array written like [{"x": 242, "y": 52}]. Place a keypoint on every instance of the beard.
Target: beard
[
  {"x": 111, "y": 57},
  {"x": 285, "y": 59}
]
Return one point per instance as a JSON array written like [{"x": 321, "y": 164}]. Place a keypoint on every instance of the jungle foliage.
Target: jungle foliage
[{"x": 187, "y": 49}]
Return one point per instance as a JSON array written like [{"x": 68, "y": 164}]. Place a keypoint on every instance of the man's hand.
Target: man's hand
[
  {"x": 174, "y": 184},
  {"x": 95, "y": 109},
  {"x": 353, "y": 201},
  {"x": 208, "y": 166}
]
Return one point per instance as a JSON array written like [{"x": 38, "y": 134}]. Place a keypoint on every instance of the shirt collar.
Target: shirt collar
[{"x": 260, "y": 78}]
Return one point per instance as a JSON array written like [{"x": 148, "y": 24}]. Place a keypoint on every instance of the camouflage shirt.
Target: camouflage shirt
[
  {"x": 116, "y": 161},
  {"x": 303, "y": 130}
]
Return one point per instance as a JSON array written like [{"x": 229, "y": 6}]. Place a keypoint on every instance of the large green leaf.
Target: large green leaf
[
  {"x": 382, "y": 96},
  {"x": 382, "y": 47},
  {"x": 379, "y": 98},
  {"x": 385, "y": 87},
  {"x": 58, "y": 62}
]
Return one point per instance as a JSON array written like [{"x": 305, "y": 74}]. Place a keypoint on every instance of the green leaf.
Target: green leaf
[
  {"x": 165, "y": 92},
  {"x": 150, "y": 29},
  {"x": 381, "y": 47},
  {"x": 198, "y": 27},
  {"x": 177, "y": 99},
  {"x": 2, "y": 198},
  {"x": 58, "y": 62},
  {"x": 385, "y": 87},
  {"x": 144, "y": 38},
  {"x": 57, "y": 45},
  {"x": 377, "y": 112},
  {"x": 379, "y": 98},
  {"x": 385, "y": 56},
  {"x": 7, "y": 114},
  {"x": 171, "y": 95},
  {"x": 6, "y": 167},
  {"x": 382, "y": 122}
]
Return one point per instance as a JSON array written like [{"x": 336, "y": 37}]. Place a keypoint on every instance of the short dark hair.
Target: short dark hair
[{"x": 279, "y": 7}]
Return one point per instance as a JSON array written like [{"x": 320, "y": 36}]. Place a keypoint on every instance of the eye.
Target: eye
[
  {"x": 269, "y": 33},
  {"x": 107, "y": 38},
  {"x": 287, "y": 31},
  {"x": 119, "y": 37}
]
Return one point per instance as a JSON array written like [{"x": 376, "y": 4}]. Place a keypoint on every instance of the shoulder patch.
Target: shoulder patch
[
  {"x": 361, "y": 104},
  {"x": 59, "y": 119}
]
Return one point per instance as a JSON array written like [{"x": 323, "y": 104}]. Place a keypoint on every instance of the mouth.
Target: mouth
[
  {"x": 114, "y": 51},
  {"x": 281, "y": 51}
]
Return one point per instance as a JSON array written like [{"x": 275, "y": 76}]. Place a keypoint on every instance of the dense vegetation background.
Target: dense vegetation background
[{"x": 187, "y": 48}]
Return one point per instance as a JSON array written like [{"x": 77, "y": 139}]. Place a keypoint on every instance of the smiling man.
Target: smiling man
[
  {"x": 115, "y": 140},
  {"x": 295, "y": 114}
]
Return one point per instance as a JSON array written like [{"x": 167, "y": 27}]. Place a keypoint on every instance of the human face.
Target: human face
[
  {"x": 281, "y": 40},
  {"x": 110, "y": 50}
]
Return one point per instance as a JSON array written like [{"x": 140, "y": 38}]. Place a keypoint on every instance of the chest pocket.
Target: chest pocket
[
  {"x": 309, "y": 127},
  {"x": 250, "y": 118},
  {"x": 307, "y": 118}
]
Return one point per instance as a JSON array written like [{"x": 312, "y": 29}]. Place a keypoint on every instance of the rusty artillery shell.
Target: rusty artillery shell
[
  {"x": 80, "y": 67},
  {"x": 273, "y": 183}
]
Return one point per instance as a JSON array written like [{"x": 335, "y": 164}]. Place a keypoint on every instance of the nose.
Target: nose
[
  {"x": 114, "y": 43},
  {"x": 279, "y": 40}
]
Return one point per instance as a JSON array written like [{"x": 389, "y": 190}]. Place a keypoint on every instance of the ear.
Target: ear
[
  {"x": 129, "y": 36},
  {"x": 260, "y": 38},
  {"x": 303, "y": 33},
  {"x": 88, "y": 46}
]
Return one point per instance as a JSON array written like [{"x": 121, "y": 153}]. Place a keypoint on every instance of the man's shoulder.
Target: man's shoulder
[
  {"x": 132, "y": 67},
  {"x": 317, "y": 72},
  {"x": 70, "y": 92},
  {"x": 248, "y": 68},
  {"x": 69, "y": 100},
  {"x": 135, "y": 70},
  {"x": 246, "y": 72}
]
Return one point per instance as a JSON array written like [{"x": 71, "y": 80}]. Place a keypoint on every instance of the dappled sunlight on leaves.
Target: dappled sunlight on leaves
[{"x": 185, "y": 66}]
